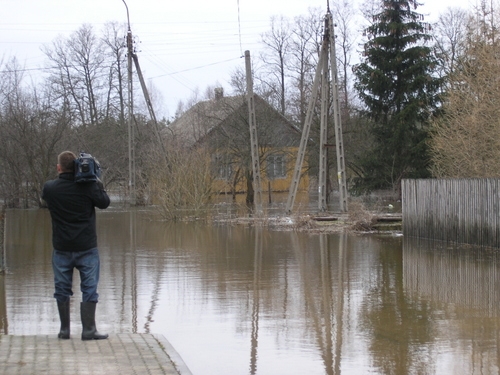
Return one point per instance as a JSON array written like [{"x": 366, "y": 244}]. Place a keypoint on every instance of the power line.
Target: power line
[
  {"x": 239, "y": 27},
  {"x": 5, "y": 71},
  {"x": 182, "y": 80},
  {"x": 198, "y": 67}
]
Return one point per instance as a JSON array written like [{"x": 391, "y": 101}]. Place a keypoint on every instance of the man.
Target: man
[{"x": 74, "y": 239}]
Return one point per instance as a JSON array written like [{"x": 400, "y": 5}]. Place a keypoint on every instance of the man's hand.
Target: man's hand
[{"x": 99, "y": 183}]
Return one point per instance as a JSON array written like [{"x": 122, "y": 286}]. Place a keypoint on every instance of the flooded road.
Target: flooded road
[{"x": 240, "y": 300}]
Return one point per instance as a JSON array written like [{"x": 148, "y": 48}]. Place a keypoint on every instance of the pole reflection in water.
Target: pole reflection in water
[
  {"x": 4, "y": 323},
  {"x": 325, "y": 331},
  {"x": 339, "y": 304},
  {"x": 240, "y": 299},
  {"x": 133, "y": 252},
  {"x": 326, "y": 312},
  {"x": 157, "y": 270},
  {"x": 257, "y": 264},
  {"x": 4, "y": 326},
  {"x": 314, "y": 304}
]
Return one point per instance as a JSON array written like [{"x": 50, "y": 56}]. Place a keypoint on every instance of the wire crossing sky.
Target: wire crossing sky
[{"x": 182, "y": 46}]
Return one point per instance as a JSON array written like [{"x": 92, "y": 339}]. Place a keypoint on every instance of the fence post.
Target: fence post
[{"x": 2, "y": 239}]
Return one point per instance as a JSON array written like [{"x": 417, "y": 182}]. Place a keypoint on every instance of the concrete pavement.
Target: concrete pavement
[{"x": 121, "y": 354}]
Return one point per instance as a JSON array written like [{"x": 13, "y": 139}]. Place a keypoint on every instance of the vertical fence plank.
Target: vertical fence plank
[
  {"x": 2, "y": 238},
  {"x": 454, "y": 210}
]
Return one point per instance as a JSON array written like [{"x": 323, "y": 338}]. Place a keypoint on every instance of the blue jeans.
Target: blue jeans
[{"x": 87, "y": 263}]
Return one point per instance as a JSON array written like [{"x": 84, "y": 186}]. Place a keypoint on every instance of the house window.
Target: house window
[
  {"x": 222, "y": 167},
  {"x": 276, "y": 166}
]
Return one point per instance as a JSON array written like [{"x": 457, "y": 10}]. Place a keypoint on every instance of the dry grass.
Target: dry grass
[
  {"x": 304, "y": 222},
  {"x": 359, "y": 218}
]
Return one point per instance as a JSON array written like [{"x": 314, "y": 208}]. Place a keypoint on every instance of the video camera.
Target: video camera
[{"x": 87, "y": 168}]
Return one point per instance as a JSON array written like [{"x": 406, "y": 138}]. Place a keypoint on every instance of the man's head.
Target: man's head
[{"x": 66, "y": 162}]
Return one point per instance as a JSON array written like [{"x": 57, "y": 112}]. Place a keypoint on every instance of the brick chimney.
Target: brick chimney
[{"x": 219, "y": 93}]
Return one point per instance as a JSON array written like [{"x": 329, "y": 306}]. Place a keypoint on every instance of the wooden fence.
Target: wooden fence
[
  {"x": 2, "y": 242},
  {"x": 453, "y": 210}
]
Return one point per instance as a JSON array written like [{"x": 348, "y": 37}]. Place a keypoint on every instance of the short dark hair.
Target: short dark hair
[{"x": 66, "y": 160}]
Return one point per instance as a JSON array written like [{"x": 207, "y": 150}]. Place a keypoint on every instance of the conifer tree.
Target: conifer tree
[{"x": 399, "y": 87}]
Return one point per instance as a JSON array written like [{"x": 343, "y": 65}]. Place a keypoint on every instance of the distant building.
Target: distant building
[{"x": 221, "y": 125}]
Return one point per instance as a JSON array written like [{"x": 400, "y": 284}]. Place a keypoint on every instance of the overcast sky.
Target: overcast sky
[{"x": 183, "y": 44}]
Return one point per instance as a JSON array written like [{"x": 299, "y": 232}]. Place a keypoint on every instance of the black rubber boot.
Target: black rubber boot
[
  {"x": 89, "y": 332},
  {"x": 63, "y": 308}
]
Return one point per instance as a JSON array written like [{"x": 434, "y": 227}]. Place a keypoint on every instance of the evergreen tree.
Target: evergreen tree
[{"x": 396, "y": 82}]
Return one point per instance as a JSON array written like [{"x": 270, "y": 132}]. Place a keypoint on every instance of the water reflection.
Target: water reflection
[
  {"x": 463, "y": 276},
  {"x": 400, "y": 328},
  {"x": 237, "y": 299},
  {"x": 462, "y": 287},
  {"x": 255, "y": 302},
  {"x": 4, "y": 326}
]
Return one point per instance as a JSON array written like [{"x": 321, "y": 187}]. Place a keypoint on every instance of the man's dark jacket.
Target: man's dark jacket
[{"x": 72, "y": 208}]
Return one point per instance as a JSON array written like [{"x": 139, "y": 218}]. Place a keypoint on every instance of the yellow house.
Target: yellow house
[{"x": 221, "y": 125}]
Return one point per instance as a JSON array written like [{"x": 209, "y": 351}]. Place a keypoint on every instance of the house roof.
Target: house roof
[{"x": 204, "y": 117}]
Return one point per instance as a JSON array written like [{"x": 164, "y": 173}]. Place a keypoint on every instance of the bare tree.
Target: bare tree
[
  {"x": 344, "y": 16},
  {"x": 305, "y": 45},
  {"x": 79, "y": 73},
  {"x": 80, "y": 106},
  {"x": 450, "y": 37},
  {"x": 465, "y": 141},
  {"x": 31, "y": 130},
  {"x": 183, "y": 106},
  {"x": 238, "y": 81},
  {"x": 117, "y": 70},
  {"x": 275, "y": 56}
]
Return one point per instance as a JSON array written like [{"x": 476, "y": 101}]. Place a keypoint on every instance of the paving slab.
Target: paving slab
[{"x": 121, "y": 354}]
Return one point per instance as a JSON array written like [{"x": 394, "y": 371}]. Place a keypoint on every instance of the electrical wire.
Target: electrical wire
[
  {"x": 198, "y": 67},
  {"x": 239, "y": 26}
]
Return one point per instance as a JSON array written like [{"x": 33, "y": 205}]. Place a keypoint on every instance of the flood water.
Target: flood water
[{"x": 240, "y": 300}]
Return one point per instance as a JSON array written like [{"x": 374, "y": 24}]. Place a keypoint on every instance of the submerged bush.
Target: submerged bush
[{"x": 181, "y": 183}]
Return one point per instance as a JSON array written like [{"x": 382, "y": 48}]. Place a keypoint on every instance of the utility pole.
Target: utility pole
[
  {"x": 132, "y": 57},
  {"x": 322, "y": 73},
  {"x": 131, "y": 135},
  {"x": 323, "y": 133},
  {"x": 254, "y": 145},
  {"x": 337, "y": 120},
  {"x": 305, "y": 137},
  {"x": 148, "y": 100}
]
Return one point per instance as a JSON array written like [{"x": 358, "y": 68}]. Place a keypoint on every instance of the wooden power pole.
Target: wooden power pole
[
  {"x": 254, "y": 144},
  {"x": 131, "y": 135},
  {"x": 337, "y": 121},
  {"x": 327, "y": 59},
  {"x": 132, "y": 57}
]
